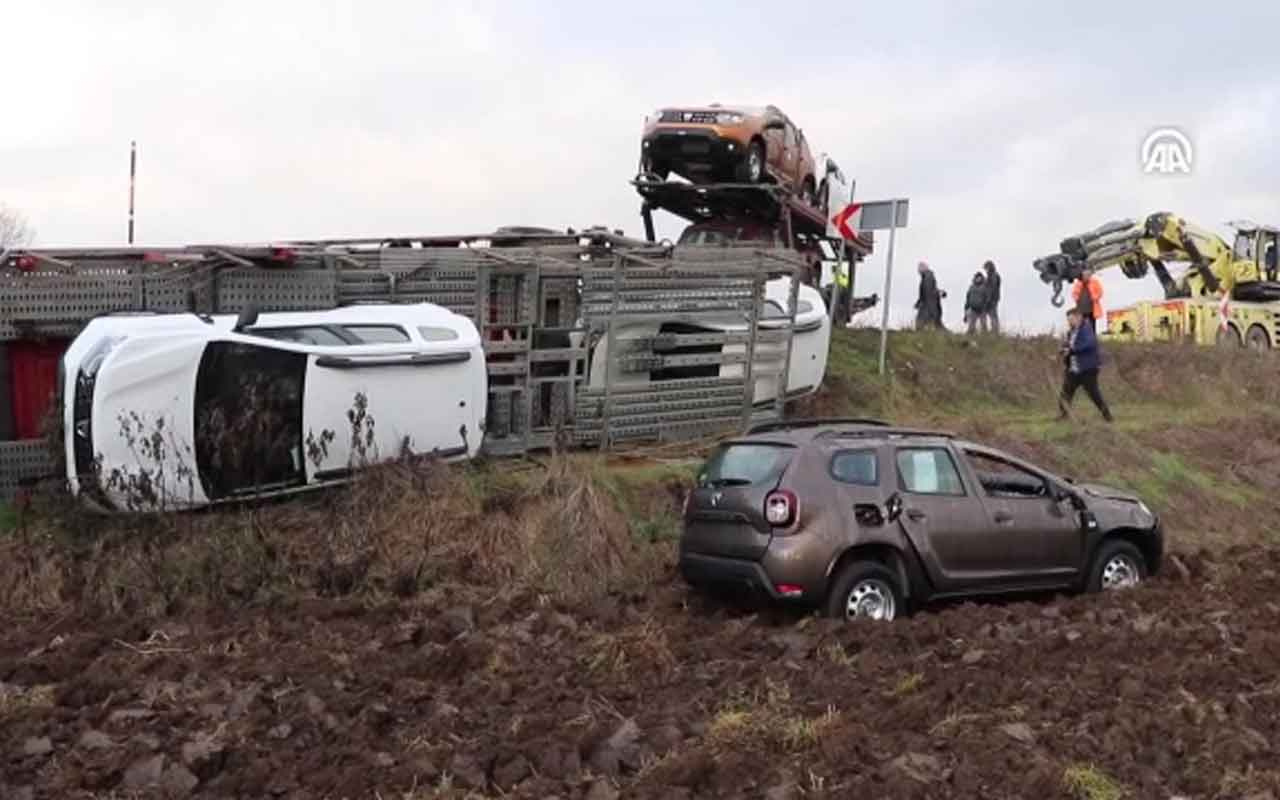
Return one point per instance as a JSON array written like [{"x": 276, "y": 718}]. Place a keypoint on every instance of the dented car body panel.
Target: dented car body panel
[{"x": 952, "y": 518}]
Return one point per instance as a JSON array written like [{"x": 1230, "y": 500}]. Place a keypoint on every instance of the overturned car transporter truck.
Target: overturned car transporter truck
[{"x": 589, "y": 339}]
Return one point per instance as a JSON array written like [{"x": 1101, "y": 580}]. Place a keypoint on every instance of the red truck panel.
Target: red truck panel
[{"x": 33, "y": 378}]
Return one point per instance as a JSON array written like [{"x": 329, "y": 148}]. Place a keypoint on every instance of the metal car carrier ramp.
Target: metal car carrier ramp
[{"x": 542, "y": 302}]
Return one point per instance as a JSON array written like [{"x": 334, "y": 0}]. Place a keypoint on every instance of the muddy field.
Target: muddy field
[
  {"x": 1169, "y": 690},
  {"x": 518, "y": 630}
]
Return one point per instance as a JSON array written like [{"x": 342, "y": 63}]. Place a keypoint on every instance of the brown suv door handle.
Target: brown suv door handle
[
  {"x": 1003, "y": 517},
  {"x": 915, "y": 514}
]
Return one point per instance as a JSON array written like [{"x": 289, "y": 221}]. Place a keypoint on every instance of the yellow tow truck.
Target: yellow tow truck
[{"x": 1227, "y": 296}]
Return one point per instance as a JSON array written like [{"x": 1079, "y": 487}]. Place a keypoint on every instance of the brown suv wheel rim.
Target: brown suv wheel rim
[
  {"x": 1120, "y": 572},
  {"x": 870, "y": 598}
]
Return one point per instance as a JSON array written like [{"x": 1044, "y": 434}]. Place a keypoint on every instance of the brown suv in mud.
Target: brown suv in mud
[
  {"x": 728, "y": 144},
  {"x": 863, "y": 519}
]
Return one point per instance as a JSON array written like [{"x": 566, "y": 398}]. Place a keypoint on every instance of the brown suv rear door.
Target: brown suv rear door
[
  {"x": 944, "y": 519},
  {"x": 1034, "y": 537}
]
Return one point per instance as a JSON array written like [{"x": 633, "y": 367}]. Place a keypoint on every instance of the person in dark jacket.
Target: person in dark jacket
[
  {"x": 976, "y": 302},
  {"x": 992, "y": 316},
  {"x": 1082, "y": 359},
  {"x": 929, "y": 303}
]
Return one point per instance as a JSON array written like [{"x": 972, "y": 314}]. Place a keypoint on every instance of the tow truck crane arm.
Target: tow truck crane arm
[{"x": 1139, "y": 248}]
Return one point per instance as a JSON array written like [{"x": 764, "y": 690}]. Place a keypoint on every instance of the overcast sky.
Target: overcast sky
[{"x": 1008, "y": 125}]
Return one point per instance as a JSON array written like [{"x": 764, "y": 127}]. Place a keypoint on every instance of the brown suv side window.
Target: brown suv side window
[
  {"x": 858, "y": 467},
  {"x": 928, "y": 470},
  {"x": 1001, "y": 479}
]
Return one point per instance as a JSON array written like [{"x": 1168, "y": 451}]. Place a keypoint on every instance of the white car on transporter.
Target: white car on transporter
[
  {"x": 173, "y": 411},
  {"x": 810, "y": 344}
]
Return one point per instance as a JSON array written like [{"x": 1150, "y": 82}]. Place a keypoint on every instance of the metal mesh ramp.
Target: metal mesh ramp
[{"x": 587, "y": 344}]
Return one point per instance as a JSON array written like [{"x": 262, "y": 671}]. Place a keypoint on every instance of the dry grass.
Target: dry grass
[
  {"x": 398, "y": 530},
  {"x": 768, "y": 719},
  {"x": 16, "y": 699},
  {"x": 642, "y": 649},
  {"x": 578, "y": 527}
]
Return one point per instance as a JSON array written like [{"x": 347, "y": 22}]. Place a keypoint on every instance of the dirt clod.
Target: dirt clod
[
  {"x": 178, "y": 781},
  {"x": 919, "y": 767},
  {"x": 37, "y": 746},
  {"x": 144, "y": 773},
  {"x": 203, "y": 755},
  {"x": 511, "y": 773},
  {"x": 468, "y": 772},
  {"x": 618, "y": 750},
  {"x": 602, "y": 790},
  {"x": 1019, "y": 732},
  {"x": 783, "y": 791},
  {"x": 457, "y": 621},
  {"x": 95, "y": 740}
]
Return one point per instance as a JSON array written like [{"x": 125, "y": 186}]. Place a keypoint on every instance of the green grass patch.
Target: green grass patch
[{"x": 1087, "y": 782}]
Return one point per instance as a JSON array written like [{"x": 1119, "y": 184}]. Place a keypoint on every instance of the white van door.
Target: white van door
[{"x": 361, "y": 408}]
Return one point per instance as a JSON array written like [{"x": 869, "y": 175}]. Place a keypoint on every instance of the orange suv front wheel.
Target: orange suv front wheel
[{"x": 752, "y": 167}]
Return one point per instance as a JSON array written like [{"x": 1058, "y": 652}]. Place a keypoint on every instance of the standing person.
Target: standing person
[
  {"x": 1082, "y": 359},
  {"x": 929, "y": 302},
  {"x": 976, "y": 302},
  {"x": 992, "y": 315},
  {"x": 839, "y": 302},
  {"x": 1087, "y": 292}
]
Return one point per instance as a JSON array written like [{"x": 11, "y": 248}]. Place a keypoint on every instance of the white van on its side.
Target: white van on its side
[{"x": 176, "y": 411}]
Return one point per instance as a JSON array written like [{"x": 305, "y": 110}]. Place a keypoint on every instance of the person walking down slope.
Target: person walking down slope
[
  {"x": 976, "y": 302},
  {"x": 1082, "y": 359},
  {"x": 929, "y": 303},
  {"x": 992, "y": 316},
  {"x": 1087, "y": 293}
]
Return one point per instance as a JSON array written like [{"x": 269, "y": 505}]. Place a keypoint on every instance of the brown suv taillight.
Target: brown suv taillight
[{"x": 781, "y": 508}]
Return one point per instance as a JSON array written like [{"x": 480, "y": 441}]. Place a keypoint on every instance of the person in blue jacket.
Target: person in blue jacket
[{"x": 1082, "y": 357}]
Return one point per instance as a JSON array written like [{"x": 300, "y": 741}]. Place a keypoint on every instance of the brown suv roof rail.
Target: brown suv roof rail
[
  {"x": 887, "y": 431},
  {"x": 793, "y": 424}
]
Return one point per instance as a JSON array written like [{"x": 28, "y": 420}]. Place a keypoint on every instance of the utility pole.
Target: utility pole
[{"x": 133, "y": 171}]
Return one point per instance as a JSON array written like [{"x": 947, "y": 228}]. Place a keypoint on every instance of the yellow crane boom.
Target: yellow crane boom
[{"x": 1246, "y": 271}]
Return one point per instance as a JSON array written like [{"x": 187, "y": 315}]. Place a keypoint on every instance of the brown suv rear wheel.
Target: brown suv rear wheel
[{"x": 865, "y": 589}]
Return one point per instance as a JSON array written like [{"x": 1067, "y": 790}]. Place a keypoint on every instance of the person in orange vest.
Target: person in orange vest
[{"x": 1089, "y": 302}]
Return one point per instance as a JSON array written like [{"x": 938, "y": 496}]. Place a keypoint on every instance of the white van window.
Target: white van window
[
  {"x": 301, "y": 334},
  {"x": 378, "y": 334}
]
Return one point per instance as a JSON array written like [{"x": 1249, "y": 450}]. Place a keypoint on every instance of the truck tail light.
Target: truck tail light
[
  {"x": 781, "y": 508},
  {"x": 282, "y": 255}
]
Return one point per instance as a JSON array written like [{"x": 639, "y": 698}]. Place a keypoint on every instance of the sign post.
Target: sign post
[
  {"x": 888, "y": 282},
  {"x": 877, "y": 216},
  {"x": 133, "y": 172}
]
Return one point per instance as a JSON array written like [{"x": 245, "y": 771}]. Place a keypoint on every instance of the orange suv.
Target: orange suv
[{"x": 719, "y": 143}]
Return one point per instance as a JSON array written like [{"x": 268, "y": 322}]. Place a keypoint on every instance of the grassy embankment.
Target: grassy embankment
[{"x": 1197, "y": 434}]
